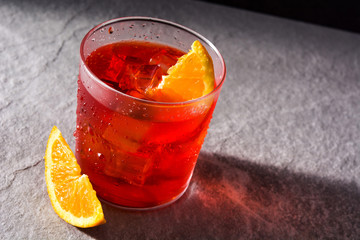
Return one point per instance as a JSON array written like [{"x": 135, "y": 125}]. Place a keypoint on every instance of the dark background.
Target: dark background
[{"x": 338, "y": 14}]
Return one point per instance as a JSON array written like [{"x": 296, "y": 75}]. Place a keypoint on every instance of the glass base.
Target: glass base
[{"x": 146, "y": 208}]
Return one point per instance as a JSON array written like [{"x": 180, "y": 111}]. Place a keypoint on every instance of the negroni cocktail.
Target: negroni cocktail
[{"x": 138, "y": 148}]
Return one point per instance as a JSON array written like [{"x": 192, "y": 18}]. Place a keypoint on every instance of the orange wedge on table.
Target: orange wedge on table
[
  {"x": 71, "y": 193},
  {"x": 191, "y": 77}
]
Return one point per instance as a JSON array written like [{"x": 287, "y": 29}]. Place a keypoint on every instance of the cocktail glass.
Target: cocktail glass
[{"x": 138, "y": 153}]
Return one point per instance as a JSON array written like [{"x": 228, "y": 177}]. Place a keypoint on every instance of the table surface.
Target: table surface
[{"x": 282, "y": 156}]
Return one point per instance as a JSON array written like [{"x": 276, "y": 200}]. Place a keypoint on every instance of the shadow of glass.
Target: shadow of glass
[{"x": 230, "y": 198}]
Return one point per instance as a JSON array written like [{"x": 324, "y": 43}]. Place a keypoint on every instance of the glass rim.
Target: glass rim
[{"x": 151, "y": 19}]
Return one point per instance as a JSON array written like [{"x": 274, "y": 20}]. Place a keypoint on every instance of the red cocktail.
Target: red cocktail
[{"x": 137, "y": 152}]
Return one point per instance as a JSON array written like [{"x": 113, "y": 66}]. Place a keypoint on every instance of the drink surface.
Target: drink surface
[
  {"x": 135, "y": 160},
  {"x": 131, "y": 67}
]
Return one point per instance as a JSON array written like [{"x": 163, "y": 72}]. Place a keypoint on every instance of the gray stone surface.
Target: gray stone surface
[{"x": 282, "y": 156}]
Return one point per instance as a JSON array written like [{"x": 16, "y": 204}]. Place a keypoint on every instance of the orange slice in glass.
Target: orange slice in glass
[
  {"x": 71, "y": 194},
  {"x": 191, "y": 77}
]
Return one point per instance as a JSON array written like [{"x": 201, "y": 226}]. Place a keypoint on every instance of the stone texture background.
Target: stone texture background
[{"x": 282, "y": 155}]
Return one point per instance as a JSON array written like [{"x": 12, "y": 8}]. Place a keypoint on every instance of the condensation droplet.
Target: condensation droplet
[
  {"x": 90, "y": 130},
  {"x": 101, "y": 156},
  {"x": 111, "y": 30}
]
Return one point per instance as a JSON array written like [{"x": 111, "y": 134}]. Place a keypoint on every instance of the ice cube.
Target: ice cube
[
  {"x": 126, "y": 132},
  {"x": 129, "y": 167},
  {"x": 115, "y": 66},
  {"x": 105, "y": 65},
  {"x": 126, "y": 136},
  {"x": 146, "y": 76},
  {"x": 125, "y": 78},
  {"x": 164, "y": 60}
]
